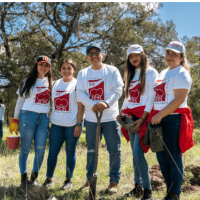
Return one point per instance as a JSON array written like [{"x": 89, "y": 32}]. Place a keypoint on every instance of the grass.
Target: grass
[{"x": 10, "y": 175}]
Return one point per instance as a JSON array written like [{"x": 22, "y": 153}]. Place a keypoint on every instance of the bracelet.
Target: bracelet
[
  {"x": 106, "y": 104},
  {"x": 142, "y": 119}
]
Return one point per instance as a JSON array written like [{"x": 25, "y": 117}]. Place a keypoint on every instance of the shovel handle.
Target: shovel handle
[
  {"x": 99, "y": 117},
  {"x": 93, "y": 177},
  {"x": 98, "y": 131}
]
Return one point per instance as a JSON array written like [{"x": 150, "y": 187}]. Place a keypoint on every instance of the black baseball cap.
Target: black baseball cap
[
  {"x": 43, "y": 59},
  {"x": 93, "y": 45}
]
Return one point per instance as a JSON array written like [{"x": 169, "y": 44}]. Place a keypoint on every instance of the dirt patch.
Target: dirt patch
[{"x": 191, "y": 181}]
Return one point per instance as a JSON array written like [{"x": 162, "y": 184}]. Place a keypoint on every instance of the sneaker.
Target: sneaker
[
  {"x": 135, "y": 192},
  {"x": 111, "y": 189},
  {"x": 86, "y": 186},
  {"x": 147, "y": 195},
  {"x": 67, "y": 184},
  {"x": 47, "y": 183}
]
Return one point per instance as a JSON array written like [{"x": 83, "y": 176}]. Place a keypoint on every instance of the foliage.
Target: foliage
[{"x": 193, "y": 55}]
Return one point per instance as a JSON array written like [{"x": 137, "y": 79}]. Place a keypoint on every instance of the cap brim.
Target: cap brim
[
  {"x": 93, "y": 47},
  {"x": 44, "y": 61},
  {"x": 176, "y": 51},
  {"x": 134, "y": 52}
]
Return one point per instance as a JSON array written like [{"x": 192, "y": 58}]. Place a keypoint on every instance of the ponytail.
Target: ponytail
[{"x": 184, "y": 62}]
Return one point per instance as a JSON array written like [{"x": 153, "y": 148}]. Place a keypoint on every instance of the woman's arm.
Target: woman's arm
[
  {"x": 180, "y": 95},
  {"x": 77, "y": 130},
  {"x": 18, "y": 107}
]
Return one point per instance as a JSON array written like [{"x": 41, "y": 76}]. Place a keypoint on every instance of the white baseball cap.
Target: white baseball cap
[
  {"x": 176, "y": 46},
  {"x": 135, "y": 48}
]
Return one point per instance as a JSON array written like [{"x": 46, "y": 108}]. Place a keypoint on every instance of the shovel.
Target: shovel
[{"x": 93, "y": 176}]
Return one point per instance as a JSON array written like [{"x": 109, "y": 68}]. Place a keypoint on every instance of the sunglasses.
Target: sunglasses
[{"x": 96, "y": 53}]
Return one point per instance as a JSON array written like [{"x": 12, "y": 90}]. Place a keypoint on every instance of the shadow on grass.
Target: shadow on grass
[
  {"x": 83, "y": 195},
  {"x": 12, "y": 192}
]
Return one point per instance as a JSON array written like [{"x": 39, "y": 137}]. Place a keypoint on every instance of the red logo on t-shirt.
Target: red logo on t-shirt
[
  {"x": 96, "y": 89},
  {"x": 61, "y": 103},
  {"x": 135, "y": 94},
  {"x": 160, "y": 92},
  {"x": 43, "y": 97}
]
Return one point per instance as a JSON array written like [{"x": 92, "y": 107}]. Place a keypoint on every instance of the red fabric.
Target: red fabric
[
  {"x": 15, "y": 120},
  {"x": 186, "y": 129},
  {"x": 138, "y": 112}
]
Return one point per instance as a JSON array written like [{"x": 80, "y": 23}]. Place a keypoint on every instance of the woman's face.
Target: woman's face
[
  {"x": 42, "y": 69},
  {"x": 135, "y": 59},
  {"x": 67, "y": 71},
  {"x": 173, "y": 59}
]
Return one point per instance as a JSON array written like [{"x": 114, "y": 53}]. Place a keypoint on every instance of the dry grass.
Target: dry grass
[{"x": 10, "y": 175}]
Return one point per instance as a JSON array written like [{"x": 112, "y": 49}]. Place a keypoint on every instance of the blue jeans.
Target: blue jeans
[
  {"x": 32, "y": 126},
  {"x": 173, "y": 178},
  {"x": 111, "y": 131},
  {"x": 1, "y": 129},
  {"x": 141, "y": 170},
  {"x": 58, "y": 135}
]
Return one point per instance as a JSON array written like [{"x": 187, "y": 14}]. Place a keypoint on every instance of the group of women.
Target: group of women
[{"x": 149, "y": 97}]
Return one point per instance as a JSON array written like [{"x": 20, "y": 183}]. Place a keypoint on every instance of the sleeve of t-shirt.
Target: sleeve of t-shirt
[
  {"x": 151, "y": 80},
  {"x": 182, "y": 80},
  {"x": 81, "y": 95},
  {"x": 3, "y": 107},
  {"x": 117, "y": 85},
  {"x": 18, "y": 107}
]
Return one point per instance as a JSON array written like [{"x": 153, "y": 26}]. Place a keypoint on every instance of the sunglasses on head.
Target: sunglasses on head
[{"x": 96, "y": 53}]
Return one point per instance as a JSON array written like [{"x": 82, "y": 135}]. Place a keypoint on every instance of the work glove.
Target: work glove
[
  {"x": 14, "y": 126},
  {"x": 127, "y": 123},
  {"x": 156, "y": 138}
]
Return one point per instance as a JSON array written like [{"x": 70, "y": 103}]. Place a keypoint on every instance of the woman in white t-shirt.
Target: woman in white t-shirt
[
  {"x": 171, "y": 111},
  {"x": 30, "y": 115},
  {"x": 139, "y": 80},
  {"x": 66, "y": 120}
]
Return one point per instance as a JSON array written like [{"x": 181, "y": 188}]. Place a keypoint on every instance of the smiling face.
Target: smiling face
[
  {"x": 67, "y": 72},
  {"x": 95, "y": 60},
  {"x": 42, "y": 69},
  {"x": 135, "y": 59},
  {"x": 173, "y": 59}
]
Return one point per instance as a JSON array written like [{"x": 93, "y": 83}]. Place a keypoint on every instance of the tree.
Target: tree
[
  {"x": 13, "y": 30},
  {"x": 193, "y": 55}
]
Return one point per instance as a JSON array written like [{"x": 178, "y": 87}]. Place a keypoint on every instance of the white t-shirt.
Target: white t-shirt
[
  {"x": 2, "y": 111},
  {"x": 145, "y": 99},
  {"x": 167, "y": 81},
  {"x": 104, "y": 85},
  {"x": 39, "y": 97},
  {"x": 65, "y": 106}
]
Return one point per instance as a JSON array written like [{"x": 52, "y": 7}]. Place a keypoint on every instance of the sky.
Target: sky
[{"x": 185, "y": 15}]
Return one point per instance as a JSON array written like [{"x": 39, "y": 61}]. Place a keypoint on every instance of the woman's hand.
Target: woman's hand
[
  {"x": 156, "y": 119},
  {"x": 77, "y": 131},
  {"x": 138, "y": 123}
]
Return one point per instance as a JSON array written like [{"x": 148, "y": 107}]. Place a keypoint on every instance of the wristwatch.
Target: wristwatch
[{"x": 78, "y": 124}]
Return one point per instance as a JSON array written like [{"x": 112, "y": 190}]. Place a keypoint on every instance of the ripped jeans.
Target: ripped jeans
[
  {"x": 32, "y": 126},
  {"x": 111, "y": 132}
]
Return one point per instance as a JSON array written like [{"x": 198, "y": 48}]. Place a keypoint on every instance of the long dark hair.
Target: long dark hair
[
  {"x": 30, "y": 81},
  {"x": 129, "y": 73}
]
